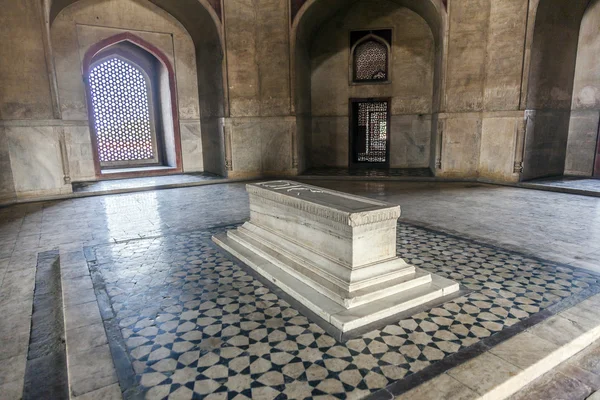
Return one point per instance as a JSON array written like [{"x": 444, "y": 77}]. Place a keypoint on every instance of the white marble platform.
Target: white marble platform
[{"x": 333, "y": 252}]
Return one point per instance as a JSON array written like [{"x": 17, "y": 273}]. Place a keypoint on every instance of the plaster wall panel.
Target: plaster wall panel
[
  {"x": 412, "y": 73},
  {"x": 410, "y": 141},
  {"x": 545, "y": 143},
  {"x": 498, "y": 142},
  {"x": 7, "y": 185},
  {"x": 504, "y": 63},
  {"x": 582, "y": 142},
  {"x": 258, "y": 57},
  {"x": 36, "y": 161},
  {"x": 460, "y": 147},
  {"x": 24, "y": 85},
  {"x": 303, "y": 107},
  {"x": 191, "y": 146},
  {"x": 553, "y": 54},
  {"x": 261, "y": 145},
  {"x": 79, "y": 151},
  {"x": 469, "y": 15},
  {"x": 329, "y": 83},
  {"x": 240, "y": 18},
  {"x": 467, "y": 46},
  {"x": 466, "y": 71},
  {"x": 213, "y": 146},
  {"x": 329, "y": 142}
]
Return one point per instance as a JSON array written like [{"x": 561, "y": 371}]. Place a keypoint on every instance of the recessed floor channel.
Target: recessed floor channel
[
  {"x": 46, "y": 374},
  {"x": 194, "y": 323}
]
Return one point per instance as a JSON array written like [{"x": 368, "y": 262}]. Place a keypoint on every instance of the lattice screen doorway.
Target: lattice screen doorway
[
  {"x": 124, "y": 115},
  {"x": 369, "y": 136}
]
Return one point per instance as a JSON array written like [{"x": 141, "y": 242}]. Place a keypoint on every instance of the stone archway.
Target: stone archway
[
  {"x": 309, "y": 16},
  {"x": 202, "y": 19},
  {"x": 552, "y": 113},
  {"x": 163, "y": 122}
]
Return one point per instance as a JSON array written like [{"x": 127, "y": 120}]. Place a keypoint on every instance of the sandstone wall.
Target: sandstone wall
[
  {"x": 410, "y": 87},
  {"x": 482, "y": 89},
  {"x": 260, "y": 130}
]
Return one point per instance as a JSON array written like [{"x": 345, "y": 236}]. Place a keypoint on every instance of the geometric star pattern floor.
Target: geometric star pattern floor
[{"x": 196, "y": 325}]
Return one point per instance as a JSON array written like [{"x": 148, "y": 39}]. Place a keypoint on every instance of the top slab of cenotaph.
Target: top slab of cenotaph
[{"x": 333, "y": 252}]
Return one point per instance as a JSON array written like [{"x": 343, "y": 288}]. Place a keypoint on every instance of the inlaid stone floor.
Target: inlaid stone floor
[{"x": 196, "y": 325}]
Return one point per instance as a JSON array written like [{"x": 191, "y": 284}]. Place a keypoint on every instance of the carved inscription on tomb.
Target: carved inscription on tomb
[{"x": 290, "y": 187}]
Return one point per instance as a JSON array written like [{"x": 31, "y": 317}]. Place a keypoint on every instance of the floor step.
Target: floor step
[
  {"x": 340, "y": 318},
  {"x": 508, "y": 367},
  {"x": 358, "y": 298}
]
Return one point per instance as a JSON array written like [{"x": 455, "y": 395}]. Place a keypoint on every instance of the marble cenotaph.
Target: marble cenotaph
[{"x": 333, "y": 252}]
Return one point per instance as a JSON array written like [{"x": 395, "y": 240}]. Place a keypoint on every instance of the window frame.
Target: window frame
[
  {"x": 352, "y": 59},
  {"x": 352, "y": 133},
  {"x": 173, "y": 163},
  {"x": 150, "y": 76}
]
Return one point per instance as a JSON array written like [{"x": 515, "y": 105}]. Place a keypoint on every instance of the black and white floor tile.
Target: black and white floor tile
[{"x": 196, "y": 325}]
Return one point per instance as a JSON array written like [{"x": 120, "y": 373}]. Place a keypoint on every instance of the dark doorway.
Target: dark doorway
[{"x": 369, "y": 133}]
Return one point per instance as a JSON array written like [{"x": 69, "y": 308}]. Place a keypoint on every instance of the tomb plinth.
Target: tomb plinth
[{"x": 333, "y": 252}]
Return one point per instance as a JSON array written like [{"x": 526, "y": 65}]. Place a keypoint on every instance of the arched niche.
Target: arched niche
[
  {"x": 374, "y": 43},
  {"x": 156, "y": 68},
  {"x": 201, "y": 19},
  {"x": 550, "y": 98},
  {"x": 311, "y": 17}
]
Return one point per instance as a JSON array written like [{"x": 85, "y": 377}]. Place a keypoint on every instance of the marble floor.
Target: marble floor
[
  {"x": 557, "y": 227},
  {"x": 576, "y": 379},
  {"x": 371, "y": 172},
  {"x": 582, "y": 184},
  {"x": 139, "y": 183},
  {"x": 197, "y": 324}
]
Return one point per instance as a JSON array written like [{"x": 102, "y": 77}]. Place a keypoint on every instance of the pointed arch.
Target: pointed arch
[
  {"x": 202, "y": 20},
  {"x": 172, "y": 155},
  {"x": 370, "y": 60},
  {"x": 307, "y": 21}
]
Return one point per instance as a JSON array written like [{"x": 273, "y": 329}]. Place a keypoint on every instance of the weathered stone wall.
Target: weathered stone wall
[
  {"x": 550, "y": 85},
  {"x": 30, "y": 161},
  {"x": 585, "y": 106},
  {"x": 478, "y": 90},
  {"x": 411, "y": 86},
  {"x": 481, "y": 123},
  {"x": 25, "y": 88},
  {"x": 260, "y": 129}
]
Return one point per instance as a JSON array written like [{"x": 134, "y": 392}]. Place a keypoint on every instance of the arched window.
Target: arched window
[
  {"x": 124, "y": 117},
  {"x": 132, "y": 108},
  {"x": 371, "y": 60}
]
